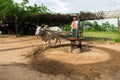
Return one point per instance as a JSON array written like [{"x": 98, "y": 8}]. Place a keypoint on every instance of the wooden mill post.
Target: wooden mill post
[
  {"x": 80, "y": 27},
  {"x": 118, "y": 27}
]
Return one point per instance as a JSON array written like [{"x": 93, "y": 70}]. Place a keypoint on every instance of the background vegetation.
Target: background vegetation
[
  {"x": 17, "y": 16},
  {"x": 96, "y": 32},
  {"x": 14, "y": 17},
  {"x": 106, "y": 26}
]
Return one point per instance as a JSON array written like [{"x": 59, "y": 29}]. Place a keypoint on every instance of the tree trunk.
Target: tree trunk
[
  {"x": 21, "y": 30},
  {"x": 16, "y": 29}
]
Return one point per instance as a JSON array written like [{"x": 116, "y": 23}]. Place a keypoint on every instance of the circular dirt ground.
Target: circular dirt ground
[{"x": 97, "y": 63}]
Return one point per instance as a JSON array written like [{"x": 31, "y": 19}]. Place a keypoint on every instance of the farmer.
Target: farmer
[{"x": 74, "y": 27}]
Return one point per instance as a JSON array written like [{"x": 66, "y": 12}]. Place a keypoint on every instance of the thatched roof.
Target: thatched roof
[
  {"x": 52, "y": 18},
  {"x": 91, "y": 16},
  {"x": 67, "y": 18}
]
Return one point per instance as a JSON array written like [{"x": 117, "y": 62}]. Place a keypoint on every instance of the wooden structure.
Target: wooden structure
[
  {"x": 92, "y": 16},
  {"x": 76, "y": 43},
  {"x": 99, "y": 15},
  {"x": 58, "y": 19}
]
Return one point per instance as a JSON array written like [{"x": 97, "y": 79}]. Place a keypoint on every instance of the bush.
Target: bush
[
  {"x": 66, "y": 27},
  {"x": 117, "y": 40}
]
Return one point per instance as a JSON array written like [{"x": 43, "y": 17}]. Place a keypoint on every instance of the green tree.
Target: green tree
[
  {"x": 42, "y": 9},
  {"x": 106, "y": 26},
  {"x": 96, "y": 26},
  {"x": 88, "y": 26},
  {"x": 5, "y": 8},
  {"x": 19, "y": 12}
]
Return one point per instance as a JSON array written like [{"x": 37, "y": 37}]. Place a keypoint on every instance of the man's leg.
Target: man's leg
[{"x": 75, "y": 33}]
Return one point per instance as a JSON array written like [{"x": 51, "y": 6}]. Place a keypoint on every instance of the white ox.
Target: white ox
[
  {"x": 47, "y": 35},
  {"x": 55, "y": 28}
]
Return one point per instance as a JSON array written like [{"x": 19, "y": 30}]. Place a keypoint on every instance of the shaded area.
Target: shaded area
[
  {"x": 52, "y": 67},
  {"x": 4, "y": 36},
  {"x": 26, "y": 72}
]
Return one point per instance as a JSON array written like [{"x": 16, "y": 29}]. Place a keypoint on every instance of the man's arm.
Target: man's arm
[{"x": 71, "y": 26}]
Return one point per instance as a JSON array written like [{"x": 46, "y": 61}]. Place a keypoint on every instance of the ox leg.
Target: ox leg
[
  {"x": 56, "y": 41},
  {"x": 44, "y": 46},
  {"x": 37, "y": 36},
  {"x": 49, "y": 42},
  {"x": 59, "y": 41}
]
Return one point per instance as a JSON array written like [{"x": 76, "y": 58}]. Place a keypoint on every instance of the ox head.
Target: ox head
[
  {"x": 39, "y": 30},
  {"x": 46, "y": 27}
]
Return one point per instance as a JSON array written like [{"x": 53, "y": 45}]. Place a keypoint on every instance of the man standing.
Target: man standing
[{"x": 74, "y": 27}]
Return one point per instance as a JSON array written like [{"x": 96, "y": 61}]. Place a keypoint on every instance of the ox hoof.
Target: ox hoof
[{"x": 70, "y": 50}]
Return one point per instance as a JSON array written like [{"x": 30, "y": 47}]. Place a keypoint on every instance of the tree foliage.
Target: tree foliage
[
  {"x": 42, "y": 9},
  {"x": 8, "y": 8},
  {"x": 18, "y": 14},
  {"x": 107, "y": 27},
  {"x": 5, "y": 8}
]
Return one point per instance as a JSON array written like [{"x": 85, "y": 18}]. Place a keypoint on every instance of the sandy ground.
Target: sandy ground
[
  {"x": 100, "y": 62},
  {"x": 93, "y": 56}
]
